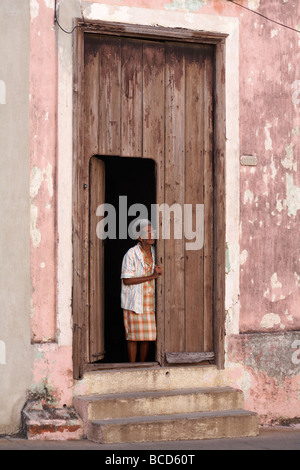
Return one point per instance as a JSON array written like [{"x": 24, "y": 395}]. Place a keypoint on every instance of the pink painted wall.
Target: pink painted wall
[
  {"x": 267, "y": 365},
  {"x": 52, "y": 368},
  {"x": 270, "y": 193},
  {"x": 43, "y": 108}
]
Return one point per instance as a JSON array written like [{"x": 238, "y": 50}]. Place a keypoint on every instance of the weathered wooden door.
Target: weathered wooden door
[{"x": 154, "y": 99}]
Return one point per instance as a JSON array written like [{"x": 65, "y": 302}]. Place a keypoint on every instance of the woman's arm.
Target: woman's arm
[{"x": 138, "y": 280}]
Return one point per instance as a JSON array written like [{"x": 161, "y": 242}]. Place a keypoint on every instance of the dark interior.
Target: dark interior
[{"x": 134, "y": 178}]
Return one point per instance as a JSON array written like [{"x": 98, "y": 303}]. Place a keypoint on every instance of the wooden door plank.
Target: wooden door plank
[
  {"x": 208, "y": 204},
  {"x": 189, "y": 357},
  {"x": 174, "y": 194},
  {"x": 220, "y": 205},
  {"x": 153, "y": 147},
  {"x": 96, "y": 257},
  {"x": 109, "y": 97},
  {"x": 91, "y": 96},
  {"x": 131, "y": 98},
  {"x": 194, "y": 141},
  {"x": 79, "y": 300}
]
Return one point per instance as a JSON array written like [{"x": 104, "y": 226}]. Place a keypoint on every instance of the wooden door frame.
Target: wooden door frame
[{"x": 80, "y": 291}]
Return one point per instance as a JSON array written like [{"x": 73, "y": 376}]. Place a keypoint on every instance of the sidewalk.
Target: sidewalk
[{"x": 269, "y": 439}]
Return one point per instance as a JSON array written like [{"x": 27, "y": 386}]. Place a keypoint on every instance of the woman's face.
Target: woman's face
[{"x": 148, "y": 235}]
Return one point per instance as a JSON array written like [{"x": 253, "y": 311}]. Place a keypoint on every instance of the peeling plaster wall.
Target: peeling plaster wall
[
  {"x": 43, "y": 99},
  {"x": 270, "y": 191},
  {"x": 266, "y": 355},
  {"x": 266, "y": 367},
  {"x": 15, "y": 349},
  {"x": 51, "y": 326}
]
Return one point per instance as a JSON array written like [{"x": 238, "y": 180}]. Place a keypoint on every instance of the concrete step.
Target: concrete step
[
  {"x": 173, "y": 427},
  {"x": 148, "y": 379},
  {"x": 47, "y": 423},
  {"x": 99, "y": 407},
  {"x": 161, "y": 404}
]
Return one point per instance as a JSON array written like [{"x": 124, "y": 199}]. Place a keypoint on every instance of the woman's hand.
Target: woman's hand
[{"x": 157, "y": 271}]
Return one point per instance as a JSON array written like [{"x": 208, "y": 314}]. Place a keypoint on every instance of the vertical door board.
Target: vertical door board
[
  {"x": 91, "y": 95},
  {"x": 174, "y": 194},
  {"x": 220, "y": 206},
  {"x": 194, "y": 166},
  {"x": 131, "y": 98},
  {"x": 96, "y": 262},
  {"x": 109, "y": 97},
  {"x": 78, "y": 301},
  {"x": 208, "y": 284},
  {"x": 153, "y": 147}
]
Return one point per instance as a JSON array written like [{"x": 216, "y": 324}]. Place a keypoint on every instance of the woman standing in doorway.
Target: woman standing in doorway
[{"x": 138, "y": 292}]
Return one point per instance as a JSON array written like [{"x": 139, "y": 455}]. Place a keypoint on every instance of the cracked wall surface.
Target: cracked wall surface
[{"x": 270, "y": 191}]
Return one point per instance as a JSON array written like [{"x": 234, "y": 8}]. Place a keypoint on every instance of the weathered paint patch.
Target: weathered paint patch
[
  {"x": 253, "y": 4},
  {"x": 96, "y": 10},
  {"x": 188, "y": 5},
  {"x": 49, "y": 4},
  {"x": 292, "y": 196},
  {"x": 274, "y": 33},
  {"x": 275, "y": 282},
  {"x": 296, "y": 93},
  {"x": 243, "y": 257},
  {"x": 43, "y": 391},
  {"x": 268, "y": 140},
  {"x": 270, "y": 320},
  {"x": 228, "y": 267},
  {"x": 248, "y": 196},
  {"x": 275, "y": 293},
  {"x": 49, "y": 179},
  {"x": 288, "y": 162},
  {"x": 35, "y": 233},
  {"x": 274, "y": 171},
  {"x": 296, "y": 354},
  {"x": 34, "y": 9},
  {"x": 52, "y": 374},
  {"x": 36, "y": 179},
  {"x": 270, "y": 353},
  {"x": 242, "y": 378}
]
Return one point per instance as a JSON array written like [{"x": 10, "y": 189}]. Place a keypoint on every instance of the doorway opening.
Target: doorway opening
[{"x": 135, "y": 180}]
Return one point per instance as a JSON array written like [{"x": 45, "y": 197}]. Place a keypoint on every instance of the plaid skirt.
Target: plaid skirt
[{"x": 139, "y": 327}]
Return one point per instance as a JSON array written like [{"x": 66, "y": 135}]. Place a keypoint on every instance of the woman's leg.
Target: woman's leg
[
  {"x": 132, "y": 349},
  {"x": 144, "y": 347}
]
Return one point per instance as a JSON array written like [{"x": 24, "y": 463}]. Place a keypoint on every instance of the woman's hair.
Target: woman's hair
[{"x": 140, "y": 227}]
